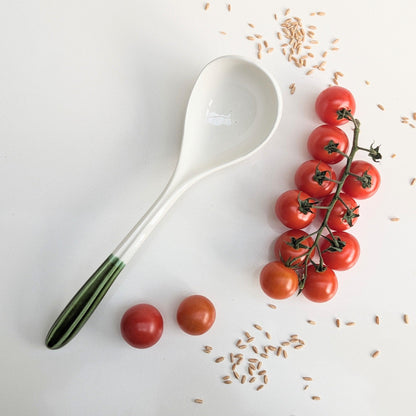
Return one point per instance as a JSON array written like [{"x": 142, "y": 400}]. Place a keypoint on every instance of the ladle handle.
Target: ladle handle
[{"x": 88, "y": 297}]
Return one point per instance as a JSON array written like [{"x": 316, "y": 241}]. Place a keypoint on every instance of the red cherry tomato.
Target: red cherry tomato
[
  {"x": 343, "y": 256},
  {"x": 291, "y": 212},
  {"x": 312, "y": 177},
  {"x": 341, "y": 218},
  {"x": 141, "y": 326},
  {"x": 288, "y": 247},
  {"x": 332, "y": 100},
  {"x": 196, "y": 315},
  {"x": 366, "y": 186},
  {"x": 325, "y": 140},
  {"x": 278, "y": 281},
  {"x": 320, "y": 286}
]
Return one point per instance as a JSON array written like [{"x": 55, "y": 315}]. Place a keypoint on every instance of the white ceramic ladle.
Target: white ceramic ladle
[{"x": 234, "y": 108}]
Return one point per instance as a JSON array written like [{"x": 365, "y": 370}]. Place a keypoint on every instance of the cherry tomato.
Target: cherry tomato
[
  {"x": 312, "y": 177},
  {"x": 341, "y": 257},
  {"x": 368, "y": 183},
  {"x": 288, "y": 247},
  {"x": 341, "y": 218},
  {"x": 196, "y": 315},
  {"x": 291, "y": 212},
  {"x": 278, "y": 281},
  {"x": 330, "y": 101},
  {"x": 141, "y": 326},
  {"x": 320, "y": 286},
  {"x": 325, "y": 140}
]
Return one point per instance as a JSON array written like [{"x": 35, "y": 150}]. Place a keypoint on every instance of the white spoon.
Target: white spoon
[{"x": 234, "y": 108}]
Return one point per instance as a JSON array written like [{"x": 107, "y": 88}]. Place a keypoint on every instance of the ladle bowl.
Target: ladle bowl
[{"x": 234, "y": 108}]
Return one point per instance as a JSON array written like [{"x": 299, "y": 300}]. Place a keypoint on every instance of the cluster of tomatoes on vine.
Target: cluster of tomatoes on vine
[{"x": 305, "y": 262}]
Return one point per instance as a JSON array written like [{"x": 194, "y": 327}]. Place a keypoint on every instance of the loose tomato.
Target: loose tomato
[
  {"x": 320, "y": 286},
  {"x": 196, "y": 315},
  {"x": 141, "y": 326},
  {"x": 340, "y": 251},
  {"x": 344, "y": 214},
  {"x": 295, "y": 209},
  {"x": 325, "y": 140},
  {"x": 313, "y": 177},
  {"x": 293, "y": 244},
  {"x": 332, "y": 100},
  {"x": 364, "y": 180},
  {"x": 278, "y": 281}
]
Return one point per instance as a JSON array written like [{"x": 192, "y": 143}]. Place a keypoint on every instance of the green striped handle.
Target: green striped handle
[{"x": 83, "y": 304}]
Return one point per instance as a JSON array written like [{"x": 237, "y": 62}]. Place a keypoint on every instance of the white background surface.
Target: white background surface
[{"x": 93, "y": 95}]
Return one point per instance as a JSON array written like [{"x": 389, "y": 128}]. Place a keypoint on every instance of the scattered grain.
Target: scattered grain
[
  {"x": 206, "y": 6},
  {"x": 226, "y": 378},
  {"x": 380, "y": 106},
  {"x": 309, "y": 72},
  {"x": 335, "y": 41},
  {"x": 314, "y": 42},
  {"x": 251, "y": 25},
  {"x": 255, "y": 350},
  {"x": 268, "y": 336},
  {"x": 412, "y": 125},
  {"x": 315, "y": 398},
  {"x": 298, "y": 347},
  {"x": 393, "y": 155},
  {"x": 265, "y": 379},
  {"x": 252, "y": 380},
  {"x": 351, "y": 323},
  {"x": 306, "y": 386},
  {"x": 264, "y": 355},
  {"x": 250, "y": 37},
  {"x": 413, "y": 181},
  {"x": 258, "y": 327},
  {"x": 229, "y": 7},
  {"x": 270, "y": 50},
  {"x": 258, "y": 36},
  {"x": 334, "y": 49},
  {"x": 414, "y": 116},
  {"x": 259, "y": 364},
  {"x": 306, "y": 378},
  {"x": 199, "y": 401},
  {"x": 310, "y": 322},
  {"x": 367, "y": 82},
  {"x": 394, "y": 219},
  {"x": 375, "y": 354},
  {"x": 284, "y": 352},
  {"x": 219, "y": 359},
  {"x": 253, "y": 360},
  {"x": 324, "y": 54},
  {"x": 279, "y": 351},
  {"x": 271, "y": 348},
  {"x": 227, "y": 382},
  {"x": 236, "y": 375},
  {"x": 406, "y": 318},
  {"x": 287, "y": 12},
  {"x": 377, "y": 320},
  {"x": 251, "y": 339},
  {"x": 223, "y": 33},
  {"x": 243, "y": 379},
  {"x": 337, "y": 322}
]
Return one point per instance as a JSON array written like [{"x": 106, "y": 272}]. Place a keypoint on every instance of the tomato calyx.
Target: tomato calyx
[
  {"x": 306, "y": 205},
  {"x": 336, "y": 245},
  {"x": 373, "y": 152},
  {"x": 322, "y": 175},
  {"x": 350, "y": 214},
  {"x": 346, "y": 113},
  {"x": 365, "y": 179},
  {"x": 333, "y": 147}
]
